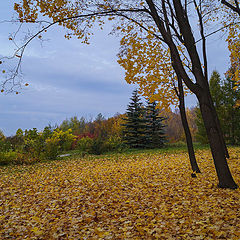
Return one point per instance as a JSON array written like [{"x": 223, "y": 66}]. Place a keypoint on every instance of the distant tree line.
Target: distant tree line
[{"x": 141, "y": 126}]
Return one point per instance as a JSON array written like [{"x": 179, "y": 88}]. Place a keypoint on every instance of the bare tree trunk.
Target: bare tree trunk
[
  {"x": 187, "y": 132},
  {"x": 215, "y": 139},
  {"x": 200, "y": 88},
  {"x": 220, "y": 132}
]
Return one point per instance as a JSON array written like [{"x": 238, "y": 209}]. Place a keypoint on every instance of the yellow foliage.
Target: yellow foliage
[
  {"x": 148, "y": 63},
  {"x": 137, "y": 196},
  {"x": 234, "y": 48}
]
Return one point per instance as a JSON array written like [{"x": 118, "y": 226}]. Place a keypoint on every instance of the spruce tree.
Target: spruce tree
[
  {"x": 135, "y": 123},
  {"x": 155, "y": 134}
]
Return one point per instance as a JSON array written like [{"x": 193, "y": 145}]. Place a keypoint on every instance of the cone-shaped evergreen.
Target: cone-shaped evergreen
[
  {"x": 135, "y": 123},
  {"x": 155, "y": 127}
]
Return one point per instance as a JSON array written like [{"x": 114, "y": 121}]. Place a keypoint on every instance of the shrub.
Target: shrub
[
  {"x": 51, "y": 148},
  {"x": 85, "y": 144},
  {"x": 25, "y": 158},
  {"x": 47, "y": 132},
  {"x": 33, "y": 143},
  {"x": 14, "y": 142},
  {"x": 7, "y": 157},
  {"x": 5, "y": 145},
  {"x": 12, "y": 157},
  {"x": 114, "y": 143},
  {"x": 97, "y": 147},
  {"x": 66, "y": 139},
  {"x": 32, "y": 146},
  {"x": 57, "y": 141},
  {"x": 46, "y": 144},
  {"x": 78, "y": 137}
]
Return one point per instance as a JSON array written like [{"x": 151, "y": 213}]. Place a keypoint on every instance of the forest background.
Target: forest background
[{"x": 100, "y": 135}]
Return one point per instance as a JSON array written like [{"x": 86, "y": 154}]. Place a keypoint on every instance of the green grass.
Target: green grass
[{"x": 168, "y": 148}]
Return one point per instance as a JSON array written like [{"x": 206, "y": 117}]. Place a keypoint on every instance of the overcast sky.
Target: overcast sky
[{"x": 67, "y": 78}]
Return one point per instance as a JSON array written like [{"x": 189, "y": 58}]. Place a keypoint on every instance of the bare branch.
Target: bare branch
[
  {"x": 218, "y": 30},
  {"x": 20, "y": 50},
  {"x": 141, "y": 26},
  {"x": 204, "y": 49},
  {"x": 229, "y": 5}
]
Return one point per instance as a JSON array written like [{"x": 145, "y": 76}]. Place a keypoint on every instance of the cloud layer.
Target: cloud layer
[{"x": 68, "y": 78}]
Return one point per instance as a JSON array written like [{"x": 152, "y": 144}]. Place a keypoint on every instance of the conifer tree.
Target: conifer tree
[
  {"x": 135, "y": 123},
  {"x": 155, "y": 127}
]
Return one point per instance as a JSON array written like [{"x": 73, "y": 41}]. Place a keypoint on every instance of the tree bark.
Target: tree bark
[
  {"x": 215, "y": 139},
  {"x": 187, "y": 132},
  {"x": 220, "y": 131},
  {"x": 210, "y": 118},
  {"x": 200, "y": 87}
]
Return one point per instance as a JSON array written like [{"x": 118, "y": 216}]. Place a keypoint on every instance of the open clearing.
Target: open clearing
[{"x": 135, "y": 196}]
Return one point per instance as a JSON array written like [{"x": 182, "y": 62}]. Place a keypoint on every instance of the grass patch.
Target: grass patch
[{"x": 168, "y": 148}]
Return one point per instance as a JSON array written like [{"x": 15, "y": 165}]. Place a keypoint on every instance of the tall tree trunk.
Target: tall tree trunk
[
  {"x": 215, "y": 139},
  {"x": 187, "y": 132},
  {"x": 220, "y": 130},
  {"x": 200, "y": 88}
]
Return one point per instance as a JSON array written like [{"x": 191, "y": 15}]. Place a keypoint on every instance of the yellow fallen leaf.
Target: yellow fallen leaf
[
  {"x": 100, "y": 232},
  {"x": 37, "y": 231},
  {"x": 36, "y": 219}
]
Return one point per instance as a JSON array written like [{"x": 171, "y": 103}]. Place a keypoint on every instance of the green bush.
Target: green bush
[
  {"x": 32, "y": 146},
  {"x": 114, "y": 143},
  {"x": 7, "y": 157},
  {"x": 5, "y": 146},
  {"x": 56, "y": 142},
  {"x": 13, "y": 157},
  {"x": 14, "y": 142},
  {"x": 46, "y": 144},
  {"x": 25, "y": 158},
  {"x": 66, "y": 139},
  {"x": 97, "y": 147},
  {"x": 92, "y": 146},
  {"x": 52, "y": 147},
  {"x": 33, "y": 143},
  {"x": 85, "y": 144}
]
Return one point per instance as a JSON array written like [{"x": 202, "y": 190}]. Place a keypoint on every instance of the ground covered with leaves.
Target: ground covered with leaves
[{"x": 136, "y": 196}]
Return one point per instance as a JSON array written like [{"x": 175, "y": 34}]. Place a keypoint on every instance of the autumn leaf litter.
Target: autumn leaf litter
[{"x": 138, "y": 196}]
